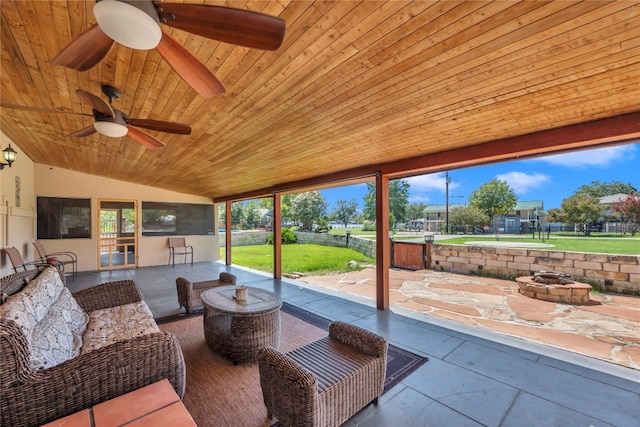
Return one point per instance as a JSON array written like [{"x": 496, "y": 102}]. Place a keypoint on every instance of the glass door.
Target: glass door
[{"x": 118, "y": 238}]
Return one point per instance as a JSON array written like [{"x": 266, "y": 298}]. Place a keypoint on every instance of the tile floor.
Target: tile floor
[{"x": 473, "y": 377}]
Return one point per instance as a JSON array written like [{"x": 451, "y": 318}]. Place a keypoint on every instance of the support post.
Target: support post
[
  {"x": 227, "y": 240},
  {"x": 277, "y": 237},
  {"x": 383, "y": 257}
]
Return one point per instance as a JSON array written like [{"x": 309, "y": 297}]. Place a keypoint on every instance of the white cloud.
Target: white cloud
[
  {"x": 521, "y": 183},
  {"x": 419, "y": 198},
  {"x": 599, "y": 157},
  {"x": 434, "y": 181}
]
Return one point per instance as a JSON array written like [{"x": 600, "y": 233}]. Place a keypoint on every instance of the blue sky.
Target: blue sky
[{"x": 550, "y": 179}]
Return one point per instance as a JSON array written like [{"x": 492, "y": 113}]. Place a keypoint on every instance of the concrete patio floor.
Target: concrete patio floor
[
  {"x": 606, "y": 328},
  {"x": 474, "y": 377}
]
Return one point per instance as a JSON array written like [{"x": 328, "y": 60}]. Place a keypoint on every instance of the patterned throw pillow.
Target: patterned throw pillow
[
  {"x": 58, "y": 337},
  {"x": 31, "y": 304}
]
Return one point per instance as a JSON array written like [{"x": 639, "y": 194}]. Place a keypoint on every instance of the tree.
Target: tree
[
  {"x": 344, "y": 211},
  {"x": 600, "y": 189},
  {"x": 494, "y": 198},
  {"x": 468, "y": 217},
  {"x": 251, "y": 214},
  {"x": 556, "y": 215},
  {"x": 415, "y": 211},
  {"x": 629, "y": 208},
  {"x": 308, "y": 207},
  {"x": 398, "y": 201},
  {"x": 582, "y": 211},
  {"x": 285, "y": 207},
  {"x": 237, "y": 214}
]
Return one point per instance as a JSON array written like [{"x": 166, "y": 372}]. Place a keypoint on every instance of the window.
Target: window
[
  {"x": 170, "y": 219},
  {"x": 61, "y": 218}
]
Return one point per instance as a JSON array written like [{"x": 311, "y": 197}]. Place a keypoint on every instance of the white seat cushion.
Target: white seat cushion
[{"x": 120, "y": 323}]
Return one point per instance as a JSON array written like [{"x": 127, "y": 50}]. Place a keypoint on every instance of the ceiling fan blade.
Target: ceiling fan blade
[
  {"x": 194, "y": 72},
  {"x": 41, "y": 110},
  {"x": 169, "y": 127},
  {"x": 96, "y": 103},
  {"x": 84, "y": 132},
  {"x": 144, "y": 139},
  {"x": 86, "y": 51},
  {"x": 229, "y": 25}
]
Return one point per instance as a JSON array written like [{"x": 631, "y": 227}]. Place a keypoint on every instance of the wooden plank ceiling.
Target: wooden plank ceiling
[{"x": 354, "y": 84}]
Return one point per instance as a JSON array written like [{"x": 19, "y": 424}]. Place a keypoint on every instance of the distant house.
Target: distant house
[
  {"x": 522, "y": 219},
  {"x": 614, "y": 226}
]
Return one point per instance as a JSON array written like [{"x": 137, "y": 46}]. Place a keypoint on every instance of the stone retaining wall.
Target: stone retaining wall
[
  {"x": 364, "y": 246},
  {"x": 619, "y": 272},
  {"x": 249, "y": 238},
  {"x": 245, "y": 238}
]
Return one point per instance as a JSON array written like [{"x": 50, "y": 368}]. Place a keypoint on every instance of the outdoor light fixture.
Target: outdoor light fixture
[
  {"x": 428, "y": 238},
  {"x": 9, "y": 154},
  {"x": 134, "y": 24}
]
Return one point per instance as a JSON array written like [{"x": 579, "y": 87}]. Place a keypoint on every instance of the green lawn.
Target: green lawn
[
  {"x": 306, "y": 258},
  {"x": 622, "y": 246}
]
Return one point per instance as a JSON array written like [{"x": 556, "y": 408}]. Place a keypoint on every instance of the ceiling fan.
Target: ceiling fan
[
  {"x": 111, "y": 122},
  {"x": 114, "y": 123},
  {"x": 135, "y": 24}
]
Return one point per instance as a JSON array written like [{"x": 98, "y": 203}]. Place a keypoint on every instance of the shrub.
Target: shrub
[
  {"x": 286, "y": 237},
  {"x": 369, "y": 226}
]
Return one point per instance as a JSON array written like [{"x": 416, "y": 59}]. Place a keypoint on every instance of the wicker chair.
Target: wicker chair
[
  {"x": 189, "y": 293},
  {"x": 326, "y": 382},
  {"x": 29, "y": 397}
]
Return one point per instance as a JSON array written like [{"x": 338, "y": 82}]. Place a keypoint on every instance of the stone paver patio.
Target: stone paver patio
[{"x": 607, "y": 327}]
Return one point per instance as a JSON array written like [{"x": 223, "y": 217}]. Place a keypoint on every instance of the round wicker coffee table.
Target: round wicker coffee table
[{"x": 236, "y": 330}]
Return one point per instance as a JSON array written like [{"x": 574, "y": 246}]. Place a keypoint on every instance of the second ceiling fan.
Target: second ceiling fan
[
  {"x": 114, "y": 123},
  {"x": 136, "y": 24}
]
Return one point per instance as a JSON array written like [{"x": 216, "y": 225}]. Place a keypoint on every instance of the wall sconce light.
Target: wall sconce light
[{"x": 9, "y": 154}]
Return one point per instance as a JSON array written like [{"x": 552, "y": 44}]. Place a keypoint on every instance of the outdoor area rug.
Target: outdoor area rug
[{"x": 219, "y": 393}]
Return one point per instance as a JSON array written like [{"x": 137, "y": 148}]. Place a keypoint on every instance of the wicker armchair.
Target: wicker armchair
[
  {"x": 326, "y": 382},
  {"x": 189, "y": 293},
  {"x": 29, "y": 397}
]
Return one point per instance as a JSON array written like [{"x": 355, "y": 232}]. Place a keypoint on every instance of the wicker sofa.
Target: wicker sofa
[
  {"x": 189, "y": 292},
  {"x": 326, "y": 382},
  {"x": 64, "y": 352}
]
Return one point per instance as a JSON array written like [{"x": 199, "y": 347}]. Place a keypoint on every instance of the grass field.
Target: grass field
[
  {"x": 308, "y": 258},
  {"x": 620, "y": 246},
  {"x": 606, "y": 244}
]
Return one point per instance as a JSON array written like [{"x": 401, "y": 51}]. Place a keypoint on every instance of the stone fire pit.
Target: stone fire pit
[{"x": 554, "y": 287}]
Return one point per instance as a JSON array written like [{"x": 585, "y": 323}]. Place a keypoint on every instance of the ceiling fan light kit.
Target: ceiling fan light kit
[
  {"x": 111, "y": 129},
  {"x": 129, "y": 23},
  {"x": 136, "y": 24}
]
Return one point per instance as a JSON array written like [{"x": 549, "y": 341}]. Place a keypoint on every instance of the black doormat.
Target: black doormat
[{"x": 400, "y": 363}]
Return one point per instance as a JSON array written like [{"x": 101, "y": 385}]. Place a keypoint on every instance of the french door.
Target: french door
[{"x": 118, "y": 242}]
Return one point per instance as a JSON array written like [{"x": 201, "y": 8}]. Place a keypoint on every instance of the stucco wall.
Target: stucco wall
[
  {"x": 17, "y": 211},
  {"x": 621, "y": 272},
  {"x": 19, "y": 226}
]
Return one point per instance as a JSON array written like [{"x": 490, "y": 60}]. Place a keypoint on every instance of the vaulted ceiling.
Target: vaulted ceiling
[{"x": 355, "y": 87}]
